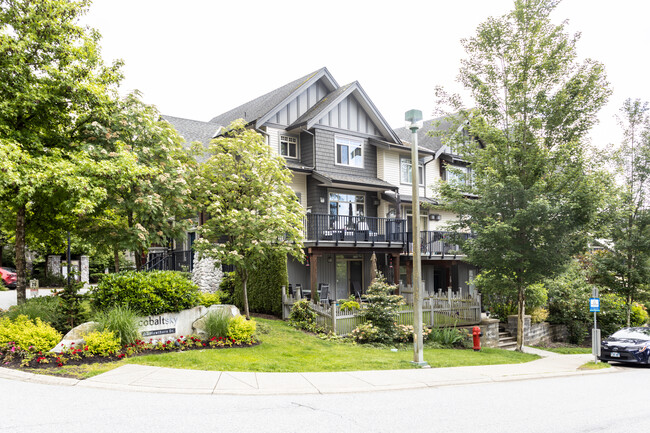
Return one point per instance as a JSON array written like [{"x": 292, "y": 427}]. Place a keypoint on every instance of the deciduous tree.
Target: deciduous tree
[
  {"x": 624, "y": 266},
  {"x": 530, "y": 197},
  {"x": 252, "y": 210}
]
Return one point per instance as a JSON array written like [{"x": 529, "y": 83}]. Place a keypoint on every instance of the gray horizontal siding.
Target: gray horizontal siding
[{"x": 326, "y": 156}]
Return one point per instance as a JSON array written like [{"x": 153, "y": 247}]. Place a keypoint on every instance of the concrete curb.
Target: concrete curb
[{"x": 139, "y": 378}]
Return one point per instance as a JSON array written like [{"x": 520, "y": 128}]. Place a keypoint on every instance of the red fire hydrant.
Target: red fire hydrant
[{"x": 476, "y": 336}]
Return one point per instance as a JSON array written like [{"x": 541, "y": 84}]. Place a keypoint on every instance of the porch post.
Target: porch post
[
  {"x": 313, "y": 274},
  {"x": 396, "y": 266},
  {"x": 409, "y": 270}
]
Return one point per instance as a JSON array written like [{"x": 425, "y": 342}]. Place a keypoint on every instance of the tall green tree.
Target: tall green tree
[
  {"x": 52, "y": 82},
  {"x": 150, "y": 202},
  {"x": 530, "y": 197},
  {"x": 624, "y": 267},
  {"x": 252, "y": 210}
]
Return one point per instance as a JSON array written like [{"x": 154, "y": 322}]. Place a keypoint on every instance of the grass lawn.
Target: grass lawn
[
  {"x": 285, "y": 349},
  {"x": 594, "y": 366}
]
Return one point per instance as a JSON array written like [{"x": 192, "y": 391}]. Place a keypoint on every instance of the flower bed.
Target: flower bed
[{"x": 14, "y": 356}]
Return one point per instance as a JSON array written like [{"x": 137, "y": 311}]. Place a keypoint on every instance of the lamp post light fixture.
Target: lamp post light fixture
[{"x": 414, "y": 120}]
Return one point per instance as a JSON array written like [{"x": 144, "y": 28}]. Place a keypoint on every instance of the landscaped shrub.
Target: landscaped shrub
[
  {"x": 405, "y": 333},
  {"x": 303, "y": 317},
  {"x": 216, "y": 324},
  {"x": 52, "y": 281},
  {"x": 207, "y": 299},
  {"x": 448, "y": 337},
  {"x": 47, "y": 308},
  {"x": 381, "y": 309},
  {"x": 264, "y": 286},
  {"x": 28, "y": 334},
  {"x": 227, "y": 287},
  {"x": 147, "y": 293},
  {"x": 365, "y": 333},
  {"x": 103, "y": 343},
  {"x": 241, "y": 330},
  {"x": 350, "y": 304},
  {"x": 122, "y": 321},
  {"x": 538, "y": 315},
  {"x": 638, "y": 315},
  {"x": 568, "y": 303}
]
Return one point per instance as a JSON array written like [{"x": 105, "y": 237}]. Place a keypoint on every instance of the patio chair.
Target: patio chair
[{"x": 324, "y": 292}]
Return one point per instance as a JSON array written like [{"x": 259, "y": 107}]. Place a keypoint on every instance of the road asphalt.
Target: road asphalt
[{"x": 142, "y": 378}]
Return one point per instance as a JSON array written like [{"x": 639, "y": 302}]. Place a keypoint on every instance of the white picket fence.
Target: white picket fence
[{"x": 437, "y": 311}]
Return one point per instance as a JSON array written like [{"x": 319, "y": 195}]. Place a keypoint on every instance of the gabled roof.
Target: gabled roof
[
  {"x": 260, "y": 109},
  {"x": 193, "y": 130},
  {"x": 426, "y": 140},
  {"x": 325, "y": 105}
]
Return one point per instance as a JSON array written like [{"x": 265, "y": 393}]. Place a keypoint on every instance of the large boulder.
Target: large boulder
[{"x": 74, "y": 337}]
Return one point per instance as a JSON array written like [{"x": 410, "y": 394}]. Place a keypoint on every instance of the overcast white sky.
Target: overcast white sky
[{"x": 199, "y": 58}]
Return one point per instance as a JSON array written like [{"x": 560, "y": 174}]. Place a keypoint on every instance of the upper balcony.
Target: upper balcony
[
  {"x": 342, "y": 230},
  {"x": 437, "y": 244},
  {"x": 323, "y": 229}
]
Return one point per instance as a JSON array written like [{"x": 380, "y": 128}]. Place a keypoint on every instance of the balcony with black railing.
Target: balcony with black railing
[
  {"x": 437, "y": 243},
  {"x": 338, "y": 229}
]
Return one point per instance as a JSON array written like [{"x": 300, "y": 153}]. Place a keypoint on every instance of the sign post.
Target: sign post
[{"x": 594, "y": 306}]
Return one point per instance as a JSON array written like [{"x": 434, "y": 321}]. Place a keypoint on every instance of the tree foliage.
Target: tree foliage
[
  {"x": 624, "y": 266},
  {"x": 252, "y": 210},
  {"x": 530, "y": 197},
  {"x": 53, "y": 82}
]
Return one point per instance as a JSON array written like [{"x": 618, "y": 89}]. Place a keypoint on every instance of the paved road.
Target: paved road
[{"x": 594, "y": 403}]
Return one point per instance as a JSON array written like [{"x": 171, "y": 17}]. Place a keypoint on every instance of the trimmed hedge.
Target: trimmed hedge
[
  {"x": 148, "y": 293},
  {"x": 264, "y": 286}
]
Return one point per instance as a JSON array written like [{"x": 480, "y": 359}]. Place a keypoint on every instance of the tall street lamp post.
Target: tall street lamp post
[{"x": 414, "y": 119}]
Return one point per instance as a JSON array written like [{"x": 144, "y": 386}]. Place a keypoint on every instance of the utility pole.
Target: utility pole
[{"x": 414, "y": 118}]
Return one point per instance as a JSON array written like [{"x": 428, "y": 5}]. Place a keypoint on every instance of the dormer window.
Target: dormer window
[
  {"x": 349, "y": 151},
  {"x": 289, "y": 146}
]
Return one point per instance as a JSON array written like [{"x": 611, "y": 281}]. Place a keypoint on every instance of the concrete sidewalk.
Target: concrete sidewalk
[{"x": 142, "y": 378}]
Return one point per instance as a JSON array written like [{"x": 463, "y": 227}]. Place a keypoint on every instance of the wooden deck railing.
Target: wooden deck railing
[{"x": 437, "y": 311}]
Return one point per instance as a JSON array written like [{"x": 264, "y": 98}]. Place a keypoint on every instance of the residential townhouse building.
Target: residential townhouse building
[{"x": 351, "y": 173}]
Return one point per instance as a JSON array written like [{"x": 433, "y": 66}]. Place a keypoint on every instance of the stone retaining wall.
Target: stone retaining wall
[{"x": 537, "y": 333}]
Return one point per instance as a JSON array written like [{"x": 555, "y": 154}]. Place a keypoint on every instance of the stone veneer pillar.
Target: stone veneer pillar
[
  {"x": 53, "y": 265},
  {"x": 84, "y": 269},
  {"x": 206, "y": 274}
]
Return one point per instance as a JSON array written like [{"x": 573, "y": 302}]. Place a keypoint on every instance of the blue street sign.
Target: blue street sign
[{"x": 594, "y": 305}]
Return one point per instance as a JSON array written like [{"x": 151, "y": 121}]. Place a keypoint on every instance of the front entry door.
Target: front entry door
[
  {"x": 349, "y": 277},
  {"x": 355, "y": 274}
]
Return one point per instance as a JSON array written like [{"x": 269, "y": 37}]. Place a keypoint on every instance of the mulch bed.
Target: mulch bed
[{"x": 52, "y": 363}]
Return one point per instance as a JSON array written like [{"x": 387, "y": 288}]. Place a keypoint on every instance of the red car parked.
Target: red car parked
[{"x": 8, "y": 277}]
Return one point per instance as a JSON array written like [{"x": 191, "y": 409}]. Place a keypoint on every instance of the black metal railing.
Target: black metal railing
[
  {"x": 437, "y": 243},
  {"x": 170, "y": 261},
  {"x": 340, "y": 228}
]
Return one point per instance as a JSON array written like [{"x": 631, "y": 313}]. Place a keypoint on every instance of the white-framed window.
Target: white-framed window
[
  {"x": 347, "y": 203},
  {"x": 406, "y": 174},
  {"x": 349, "y": 151},
  {"x": 459, "y": 175},
  {"x": 289, "y": 146}
]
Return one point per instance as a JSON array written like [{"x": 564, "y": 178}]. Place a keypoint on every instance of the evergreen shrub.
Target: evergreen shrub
[
  {"x": 264, "y": 286},
  {"x": 241, "y": 330},
  {"x": 148, "y": 293}
]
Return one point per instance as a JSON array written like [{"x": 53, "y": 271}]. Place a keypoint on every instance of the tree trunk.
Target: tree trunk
[
  {"x": 244, "y": 282},
  {"x": 21, "y": 284},
  {"x": 116, "y": 258},
  {"x": 138, "y": 259},
  {"x": 521, "y": 311},
  {"x": 629, "y": 309}
]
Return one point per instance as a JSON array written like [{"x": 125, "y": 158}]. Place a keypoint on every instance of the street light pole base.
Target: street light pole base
[{"x": 422, "y": 364}]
